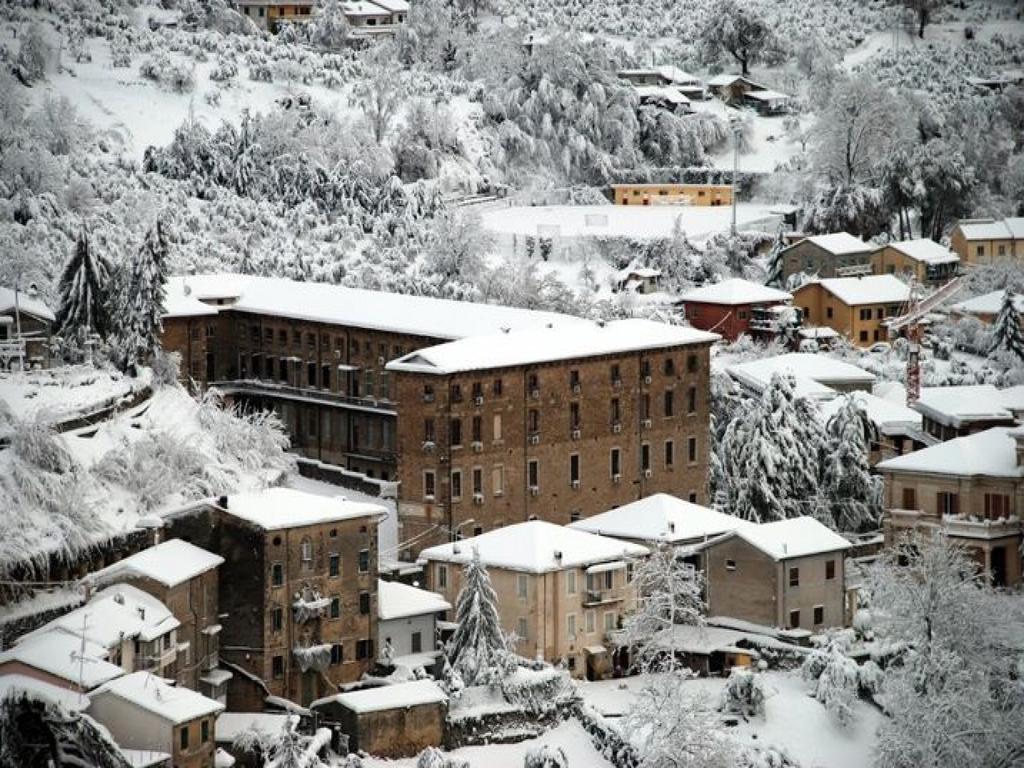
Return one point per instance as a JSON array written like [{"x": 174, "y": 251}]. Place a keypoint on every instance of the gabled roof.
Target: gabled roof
[
  {"x": 813, "y": 367},
  {"x": 546, "y": 343},
  {"x": 396, "y": 600},
  {"x": 925, "y": 250},
  {"x": 171, "y": 703},
  {"x": 836, "y": 243},
  {"x": 660, "y": 518},
  {"x": 279, "y": 508},
  {"x": 535, "y": 547},
  {"x": 957, "y": 406},
  {"x": 169, "y": 563},
  {"x": 992, "y": 229},
  {"x": 869, "y": 289},
  {"x": 722, "y": 80},
  {"x": 668, "y": 93},
  {"x": 795, "y": 537},
  {"x": 992, "y": 453},
  {"x": 57, "y": 653},
  {"x": 734, "y": 292},
  {"x": 26, "y": 304},
  {"x": 766, "y": 95},
  {"x": 889, "y": 416},
  {"x": 39, "y": 690},
  {"x": 988, "y": 304},
  {"x": 383, "y": 697}
]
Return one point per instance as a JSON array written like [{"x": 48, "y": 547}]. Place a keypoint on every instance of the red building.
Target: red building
[{"x": 729, "y": 307}]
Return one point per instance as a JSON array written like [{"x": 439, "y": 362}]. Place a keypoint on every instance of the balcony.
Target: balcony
[
  {"x": 961, "y": 526},
  {"x": 266, "y": 388},
  {"x": 593, "y": 597}
]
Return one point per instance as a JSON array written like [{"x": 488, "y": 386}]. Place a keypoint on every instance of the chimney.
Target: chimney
[{"x": 558, "y": 555}]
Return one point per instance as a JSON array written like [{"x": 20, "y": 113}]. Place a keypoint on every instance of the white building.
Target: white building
[{"x": 407, "y": 621}]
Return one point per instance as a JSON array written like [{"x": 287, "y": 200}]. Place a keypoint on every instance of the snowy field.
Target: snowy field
[{"x": 57, "y": 394}]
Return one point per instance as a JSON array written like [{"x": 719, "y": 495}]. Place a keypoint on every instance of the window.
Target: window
[
  {"x": 478, "y": 481},
  {"x": 645, "y": 406},
  {"x": 364, "y": 649},
  {"x": 364, "y": 603},
  {"x": 574, "y": 415},
  {"x": 570, "y": 626},
  {"x": 910, "y": 498},
  {"x": 496, "y": 387},
  {"x": 498, "y": 481},
  {"x": 691, "y": 364},
  {"x": 669, "y": 403},
  {"x": 828, "y": 313},
  {"x": 455, "y": 393},
  {"x": 590, "y": 620},
  {"x": 522, "y": 586},
  {"x": 865, "y": 314},
  {"x": 478, "y": 390},
  {"x": 691, "y": 450},
  {"x": 364, "y": 560},
  {"x": 522, "y": 628},
  {"x": 276, "y": 619},
  {"x": 879, "y": 313},
  {"x": 532, "y": 384},
  {"x": 645, "y": 368},
  {"x": 337, "y": 654},
  {"x": 794, "y": 619},
  {"x": 730, "y": 565},
  {"x": 534, "y": 420},
  {"x": 533, "y": 473},
  {"x": 455, "y": 432},
  {"x": 616, "y": 410},
  {"x": 429, "y": 484},
  {"x": 276, "y": 575},
  {"x": 981, "y": 250},
  {"x": 691, "y": 400},
  {"x": 496, "y": 434},
  {"x": 670, "y": 450},
  {"x": 570, "y": 582},
  {"x": 428, "y": 393},
  {"x": 277, "y": 667},
  {"x": 819, "y": 615},
  {"x": 616, "y": 376},
  {"x": 478, "y": 429},
  {"x": 574, "y": 469},
  {"x": 645, "y": 457},
  {"x": 947, "y": 503},
  {"x": 307, "y": 552},
  {"x": 417, "y": 642},
  {"x": 692, "y": 497},
  {"x": 669, "y": 367},
  {"x": 574, "y": 378},
  {"x": 863, "y": 336},
  {"x": 610, "y": 620},
  {"x": 794, "y": 577},
  {"x": 442, "y": 576},
  {"x": 997, "y": 505},
  {"x": 428, "y": 430},
  {"x": 325, "y": 377},
  {"x": 335, "y": 608},
  {"x": 616, "y": 463},
  {"x": 183, "y": 737},
  {"x": 204, "y": 731},
  {"x": 311, "y": 374}
]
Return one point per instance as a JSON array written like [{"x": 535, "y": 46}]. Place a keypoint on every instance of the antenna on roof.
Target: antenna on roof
[{"x": 81, "y": 658}]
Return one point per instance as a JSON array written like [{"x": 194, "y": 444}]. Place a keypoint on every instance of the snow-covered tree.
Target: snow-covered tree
[
  {"x": 432, "y": 757},
  {"x": 744, "y": 693},
  {"x": 545, "y": 756},
  {"x": 84, "y": 292},
  {"x": 141, "y": 302},
  {"x": 291, "y": 749},
  {"x": 478, "y": 649},
  {"x": 849, "y": 492},
  {"x": 381, "y": 97},
  {"x": 736, "y": 29},
  {"x": 329, "y": 26},
  {"x": 33, "y": 54},
  {"x": 923, "y": 9},
  {"x": 1006, "y": 330},
  {"x": 776, "y": 273},
  {"x": 456, "y": 247},
  {"x": 834, "y": 681}
]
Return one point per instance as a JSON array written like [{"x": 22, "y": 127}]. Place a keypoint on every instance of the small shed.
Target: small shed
[{"x": 391, "y": 721}]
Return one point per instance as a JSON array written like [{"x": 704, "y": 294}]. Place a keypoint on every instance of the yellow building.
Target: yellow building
[
  {"x": 925, "y": 259},
  {"x": 672, "y": 194},
  {"x": 987, "y": 241},
  {"x": 856, "y": 307}
]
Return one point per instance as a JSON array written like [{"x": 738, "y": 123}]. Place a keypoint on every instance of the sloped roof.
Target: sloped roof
[
  {"x": 889, "y": 416},
  {"x": 56, "y": 653},
  {"x": 869, "y": 289},
  {"x": 735, "y": 291},
  {"x": 397, "y": 696},
  {"x": 278, "y": 508},
  {"x": 992, "y": 453},
  {"x": 532, "y": 547},
  {"x": 795, "y": 537},
  {"x": 992, "y": 229},
  {"x": 988, "y": 303},
  {"x": 819, "y": 368},
  {"x": 26, "y": 304},
  {"x": 925, "y": 250},
  {"x": 169, "y": 563},
  {"x": 660, "y": 518},
  {"x": 956, "y": 406},
  {"x": 396, "y": 600},
  {"x": 116, "y": 612},
  {"x": 171, "y": 703},
  {"x": 40, "y": 690},
  {"x": 837, "y": 243}
]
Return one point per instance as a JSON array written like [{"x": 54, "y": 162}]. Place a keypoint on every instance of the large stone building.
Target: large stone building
[{"x": 557, "y": 423}]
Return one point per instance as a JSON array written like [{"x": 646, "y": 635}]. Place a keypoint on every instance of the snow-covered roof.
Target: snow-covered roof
[
  {"x": 1012, "y": 398},
  {"x": 152, "y": 693},
  {"x": 117, "y": 612},
  {"x": 767, "y": 95},
  {"x": 988, "y": 303},
  {"x": 57, "y": 653},
  {"x": 40, "y": 690},
  {"x": 559, "y": 341},
  {"x": 869, "y": 289},
  {"x": 721, "y": 80},
  {"x": 992, "y": 453},
  {"x": 535, "y": 547},
  {"x": 148, "y": 758},
  {"x": 660, "y": 518},
  {"x": 277, "y": 508},
  {"x": 837, "y": 243},
  {"x": 399, "y": 695},
  {"x": 362, "y": 8},
  {"x": 820, "y": 368},
  {"x": 396, "y": 600},
  {"x": 378, "y": 310},
  {"x": 991, "y": 229},
  {"x": 669, "y": 93},
  {"x": 394, "y": 6},
  {"x": 26, "y": 304},
  {"x": 735, "y": 291},
  {"x": 925, "y": 250},
  {"x": 169, "y": 563},
  {"x": 818, "y": 332},
  {"x": 956, "y": 406},
  {"x": 889, "y": 416},
  {"x": 795, "y": 537},
  {"x": 230, "y": 724}
]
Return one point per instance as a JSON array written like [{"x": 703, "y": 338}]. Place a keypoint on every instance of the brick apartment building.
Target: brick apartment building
[
  {"x": 297, "y": 591},
  {"x": 557, "y": 423}
]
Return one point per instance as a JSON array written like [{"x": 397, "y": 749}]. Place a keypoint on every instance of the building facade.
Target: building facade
[
  {"x": 924, "y": 260},
  {"x": 734, "y": 307},
  {"x": 855, "y": 307},
  {"x": 835, "y": 255},
  {"x": 672, "y": 194},
  {"x": 988, "y": 241}
]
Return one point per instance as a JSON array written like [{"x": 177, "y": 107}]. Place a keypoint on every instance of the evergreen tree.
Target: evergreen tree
[
  {"x": 142, "y": 299},
  {"x": 478, "y": 647},
  {"x": 775, "y": 277},
  {"x": 84, "y": 287},
  {"x": 849, "y": 495},
  {"x": 1006, "y": 332}
]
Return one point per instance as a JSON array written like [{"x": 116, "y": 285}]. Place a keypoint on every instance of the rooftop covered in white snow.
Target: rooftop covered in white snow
[
  {"x": 814, "y": 374},
  {"x": 33, "y": 688},
  {"x": 660, "y": 519},
  {"x": 967, "y": 404},
  {"x": 890, "y": 417},
  {"x": 535, "y": 547},
  {"x": 795, "y": 537},
  {"x": 925, "y": 250},
  {"x": 25, "y": 303},
  {"x": 735, "y": 292},
  {"x": 57, "y": 653},
  {"x": 988, "y": 304},
  {"x": 396, "y": 600},
  {"x": 837, "y": 243},
  {"x": 868, "y": 289},
  {"x": 384, "y": 697},
  {"x": 546, "y": 343},
  {"x": 992, "y": 229},
  {"x": 169, "y": 563},
  {"x": 278, "y": 508},
  {"x": 992, "y": 453},
  {"x": 153, "y": 694}
]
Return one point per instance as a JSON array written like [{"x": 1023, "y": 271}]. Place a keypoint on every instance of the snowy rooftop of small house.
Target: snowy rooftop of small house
[
  {"x": 992, "y": 453},
  {"x": 667, "y": 92},
  {"x": 396, "y": 600},
  {"x": 702, "y": 640},
  {"x": 230, "y": 724},
  {"x": 720, "y": 80},
  {"x": 152, "y": 693},
  {"x": 147, "y": 758},
  {"x": 988, "y": 304},
  {"x": 395, "y": 6},
  {"x": 547, "y": 343},
  {"x": 169, "y": 563},
  {"x": 992, "y": 229},
  {"x": 767, "y": 95},
  {"x": 807, "y": 365},
  {"x": 321, "y": 302},
  {"x": 956, "y": 406},
  {"x": 838, "y": 243},
  {"x": 362, "y": 8},
  {"x": 115, "y": 613},
  {"x": 818, "y": 332},
  {"x": 40, "y": 690},
  {"x": 925, "y": 250},
  {"x": 660, "y": 518},
  {"x": 57, "y": 653},
  {"x": 277, "y": 508},
  {"x": 735, "y": 291},
  {"x": 870, "y": 289},
  {"x": 26, "y": 304},
  {"x": 795, "y": 537},
  {"x": 535, "y": 547},
  {"x": 889, "y": 416},
  {"x": 398, "y": 696}
]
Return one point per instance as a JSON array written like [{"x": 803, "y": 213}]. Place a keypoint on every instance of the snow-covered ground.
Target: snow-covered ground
[
  {"x": 61, "y": 393},
  {"x": 769, "y": 145}
]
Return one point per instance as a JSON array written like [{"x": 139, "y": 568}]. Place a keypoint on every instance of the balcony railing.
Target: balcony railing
[
  {"x": 265, "y": 388},
  {"x": 957, "y": 525},
  {"x": 601, "y": 596}
]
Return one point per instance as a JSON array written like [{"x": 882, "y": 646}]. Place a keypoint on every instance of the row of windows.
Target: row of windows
[
  {"x": 364, "y": 650},
  {"x": 333, "y": 563},
  {"x": 819, "y": 617},
  {"x": 865, "y": 313},
  {"x": 368, "y": 348},
  {"x": 288, "y": 371},
  {"x": 184, "y": 736},
  {"x": 997, "y": 505},
  {"x": 794, "y": 572},
  {"x": 333, "y": 611},
  {"x": 610, "y": 623}
]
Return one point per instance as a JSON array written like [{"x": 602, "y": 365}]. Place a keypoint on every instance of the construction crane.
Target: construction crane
[{"x": 912, "y": 322}]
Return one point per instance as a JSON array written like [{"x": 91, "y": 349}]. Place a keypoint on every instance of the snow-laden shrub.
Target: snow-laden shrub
[
  {"x": 166, "y": 368},
  {"x": 254, "y": 439},
  {"x": 870, "y": 677},
  {"x": 33, "y": 54},
  {"x": 172, "y": 75},
  {"x": 538, "y": 691},
  {"x": 744, "y": 693},
  {"x": 225, "y": 69},
  {"x": 432, "y": 757},
  {"x": 835, "y": 680},
  {"x": 545, "y": 756},
  {"x": 766, "y": 757}
]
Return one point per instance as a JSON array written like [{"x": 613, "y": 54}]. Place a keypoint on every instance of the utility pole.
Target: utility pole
[{"x": 735, "y": 167}]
